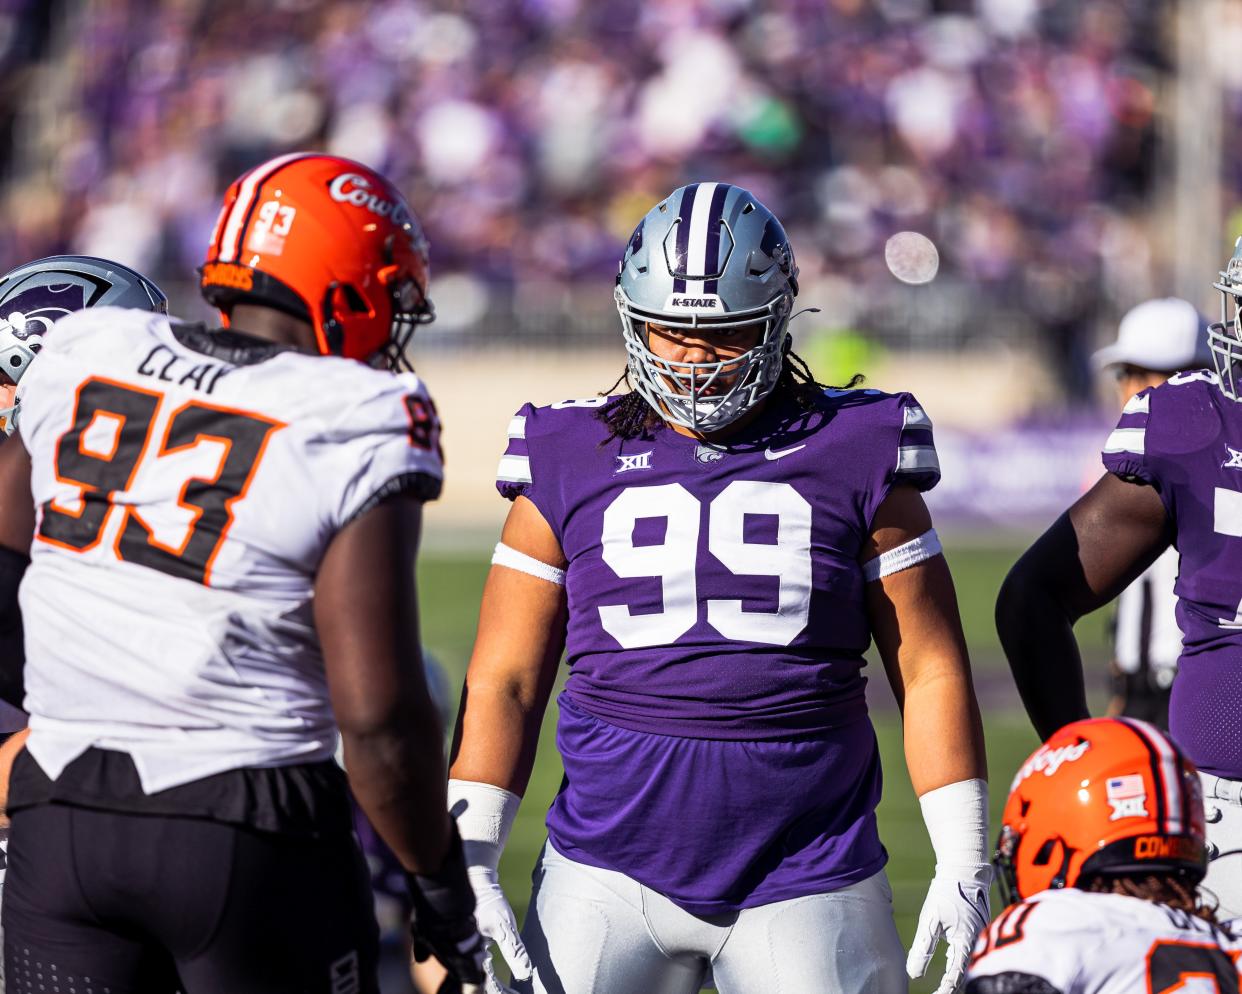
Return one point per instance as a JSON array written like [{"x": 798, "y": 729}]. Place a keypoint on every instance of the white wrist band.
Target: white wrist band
[
  {"x": 506, "y": 555},
  {"x": 484, "y": 816},
  {"x": 903, "y": 557},
  {"x": 956, "y": 817}
]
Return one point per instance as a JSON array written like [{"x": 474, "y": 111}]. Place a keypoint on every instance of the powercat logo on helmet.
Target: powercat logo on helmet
[
  {"x": 693, "y": 302},
  {"x": 350, "y": 188},
  {"x": 1048, "y": 761}
]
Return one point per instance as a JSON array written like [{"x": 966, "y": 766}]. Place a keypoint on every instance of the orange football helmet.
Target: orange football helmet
[
  {"x": 1102, "y": 797},
  {"x": 327, "y": 240}
]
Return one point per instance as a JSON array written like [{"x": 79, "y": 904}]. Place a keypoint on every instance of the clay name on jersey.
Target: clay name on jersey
[{"x": 163, "y": 364}]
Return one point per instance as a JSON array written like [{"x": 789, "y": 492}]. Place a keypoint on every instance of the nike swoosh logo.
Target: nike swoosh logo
[{"x": 770, "y": 454}]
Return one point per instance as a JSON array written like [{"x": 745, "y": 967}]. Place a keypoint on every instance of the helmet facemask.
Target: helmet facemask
[
  {"x": 705, "y": 396},
  {"x": 1224, "y": 336},
  {"x": 20, "y": 342},
  {"x": 406, "y": 281}
]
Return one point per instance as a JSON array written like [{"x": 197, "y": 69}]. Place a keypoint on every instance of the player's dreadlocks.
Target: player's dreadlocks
[
  {"x": 630, "y": 416},
  {"x": 1159, "y": 888}
]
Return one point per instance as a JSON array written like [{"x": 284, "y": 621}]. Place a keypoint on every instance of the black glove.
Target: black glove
[{"x": 442, "y": 921}]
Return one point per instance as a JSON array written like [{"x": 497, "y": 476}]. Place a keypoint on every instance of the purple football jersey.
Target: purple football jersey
[
  {"x": 1178, "y": 438},
  {"x": 715, "y": 595}
]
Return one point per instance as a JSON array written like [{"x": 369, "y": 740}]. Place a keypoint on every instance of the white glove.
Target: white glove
[
  {"x": 484, "y": 816},
  {"x": 956, "y": 907}
]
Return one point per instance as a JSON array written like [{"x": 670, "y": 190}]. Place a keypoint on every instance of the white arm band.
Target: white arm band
[
  {"x": 902, "y": 557},
  {"x": 956, "y": 817},
  {"x": 484, "y": 816},
  {"x": 506, "y": 555}
]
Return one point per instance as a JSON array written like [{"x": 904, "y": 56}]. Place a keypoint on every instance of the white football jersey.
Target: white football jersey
[
  {"x": 1072, "y": 942},
  {"x": 187, "y": 488}
]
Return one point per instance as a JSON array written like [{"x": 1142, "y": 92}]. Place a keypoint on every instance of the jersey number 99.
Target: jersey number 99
[{"x": 675, "y": 561}]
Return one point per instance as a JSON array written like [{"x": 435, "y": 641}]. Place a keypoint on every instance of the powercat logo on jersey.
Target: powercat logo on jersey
[
  {"x": 1235, "y": 458},
  {"x": 693, "y": 302},
  {"x": 350, "y": 188},
  {"x": 640, "y": 460},
  {"x": 1048, "y": 761}
]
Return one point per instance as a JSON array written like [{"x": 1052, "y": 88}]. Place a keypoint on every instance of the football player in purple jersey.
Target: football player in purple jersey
[
  {"x": 1174, "y": 477},
  {"x": 714, "y": 551}
]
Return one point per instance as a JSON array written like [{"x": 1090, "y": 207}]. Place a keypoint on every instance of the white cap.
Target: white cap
[{"x": 1165, "y": 335}]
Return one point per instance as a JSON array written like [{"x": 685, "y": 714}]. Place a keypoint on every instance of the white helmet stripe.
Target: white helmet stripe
[
  {"x": 696, "y": 249},
  {"x": 1170, "y": 775},
  {"x": 230, "y": 244}
]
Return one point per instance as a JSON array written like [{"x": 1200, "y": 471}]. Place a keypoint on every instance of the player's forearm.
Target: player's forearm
[
  {"x": 1036, "y": 630},
  {"x": 942, "y": 729},
  {"x": 397, "y": 773},
  {"x": 497, "y": 735},
  {"x": 517, "y": 649}
]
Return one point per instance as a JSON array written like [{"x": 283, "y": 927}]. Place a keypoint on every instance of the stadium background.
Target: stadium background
[{"x": 1067, "y": 159}]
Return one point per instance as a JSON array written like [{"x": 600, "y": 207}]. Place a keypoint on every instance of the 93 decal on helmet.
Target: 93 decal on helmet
[
  {"x": 1104, "y": 797},
  {"x": 34, "y": 296},
  {"x": 710, "y": 255},
  {"x": 328, "y": 241}
]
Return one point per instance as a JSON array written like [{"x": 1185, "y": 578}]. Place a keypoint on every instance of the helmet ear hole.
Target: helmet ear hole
[{"x": 1044, "y": 855}]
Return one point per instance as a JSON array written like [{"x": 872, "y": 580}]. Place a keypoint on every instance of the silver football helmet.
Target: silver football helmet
[
  {"x": 708, "y": 255},
  {"x": 1225, "y": 336},
  {"x": 34, "y": 296}
]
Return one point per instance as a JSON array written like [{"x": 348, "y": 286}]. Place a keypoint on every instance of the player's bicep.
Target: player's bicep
[
  {"x": 523, "y": 613},
  {"x": 910, "y": 597},
  {"x": 366, "y": 614},
  {"x": 1099, "y": 546},
  {"x": 901, "y": 518},
  {"x": 17, "y": 515}
]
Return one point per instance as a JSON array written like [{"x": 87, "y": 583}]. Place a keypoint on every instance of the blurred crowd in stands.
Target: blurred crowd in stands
[{"x": 530, "y": 135}]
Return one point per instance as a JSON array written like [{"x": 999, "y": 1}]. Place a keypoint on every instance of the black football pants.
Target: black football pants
[{"x": 101, "y": 902}]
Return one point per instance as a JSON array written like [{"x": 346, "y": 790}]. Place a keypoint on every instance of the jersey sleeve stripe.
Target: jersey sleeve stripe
[
  {"x": 1140, "y": 403},
  {"x": 916, "y": 458},
  {"x": 1227, "y": 512},
  {"x": 916, "y": 417},
  {"x": 517, "y": 426},
  {"x": 1126, "y": 440},
  {"x": 514, "y": 469}
]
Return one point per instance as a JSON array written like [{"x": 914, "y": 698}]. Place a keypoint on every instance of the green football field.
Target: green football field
[{"x": 449, "y": 593}]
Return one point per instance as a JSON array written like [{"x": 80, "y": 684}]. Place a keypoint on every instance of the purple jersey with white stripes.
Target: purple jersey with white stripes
[
  {"x": 1180, "y": 438},
  {"x": 715, "y": 595}
]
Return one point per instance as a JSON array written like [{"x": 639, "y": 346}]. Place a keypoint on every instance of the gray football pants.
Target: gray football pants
[
  {"x": 1222, "y": 804},
  {"x": 592, "y": 931}
]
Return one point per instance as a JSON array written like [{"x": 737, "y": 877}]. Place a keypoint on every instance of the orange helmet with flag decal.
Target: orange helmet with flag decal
[
  {"x": 327, "y": 240},
  {"x": 1103, "y": 797}
]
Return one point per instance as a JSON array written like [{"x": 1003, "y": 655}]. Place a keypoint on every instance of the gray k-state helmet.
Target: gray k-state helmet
[
  {"x": 36, "y": 295},
  {"x": 708, "y": 255},
  {"x": 1225, "y": 336}
]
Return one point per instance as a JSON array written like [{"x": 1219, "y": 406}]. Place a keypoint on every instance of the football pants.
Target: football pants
[{"x": 594, "y": 931}]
